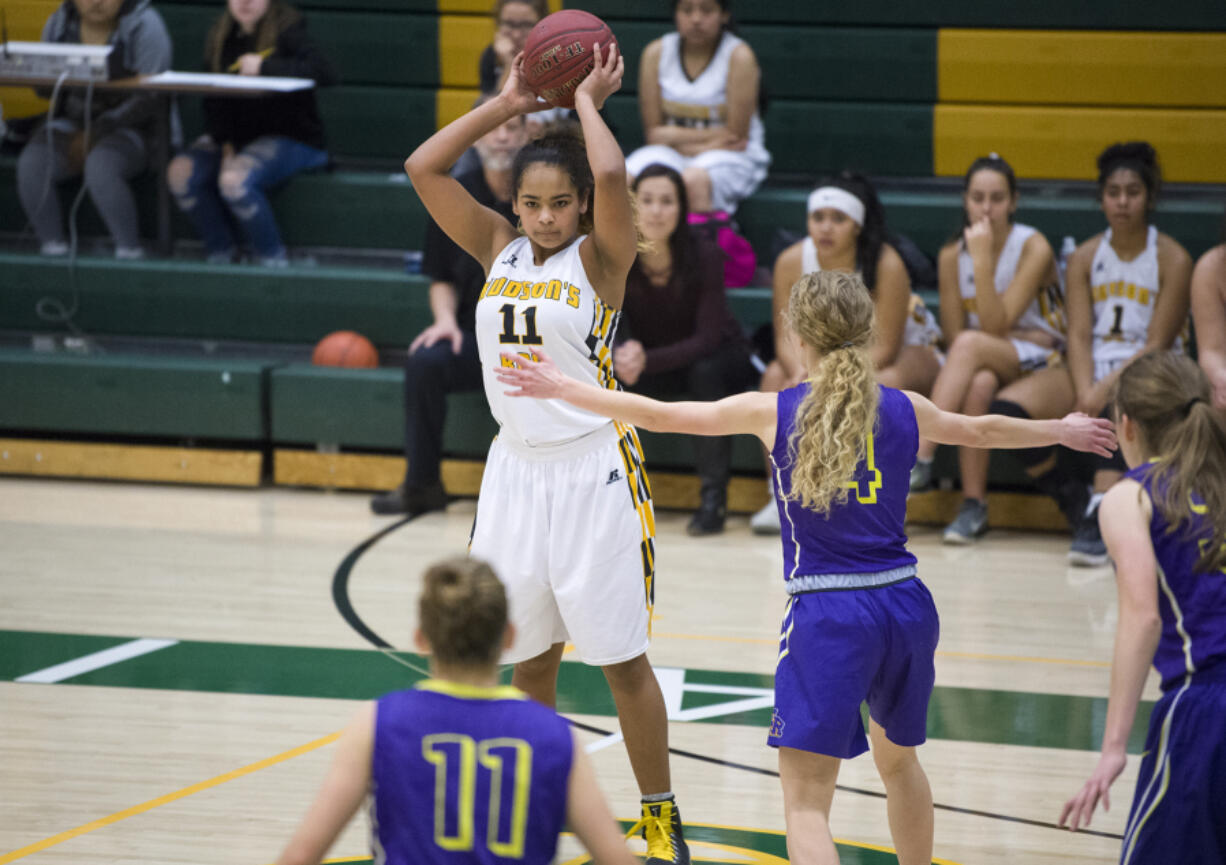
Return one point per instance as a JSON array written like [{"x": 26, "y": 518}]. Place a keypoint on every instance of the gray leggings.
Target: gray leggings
[{"x": 111, "y": 163}]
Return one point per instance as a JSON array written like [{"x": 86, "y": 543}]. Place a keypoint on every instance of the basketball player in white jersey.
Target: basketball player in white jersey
[
  {"x": 698, "y": 98},
  {"x": 1003, "y": 319},
  {"x": 1128, "y": 293},
  {"x": 565, "y": 514}
]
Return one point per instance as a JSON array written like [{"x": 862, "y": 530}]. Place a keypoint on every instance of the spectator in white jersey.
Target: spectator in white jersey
[
  {"x": 1002, "y": 314},
  {"x": 699, "y": 95}
]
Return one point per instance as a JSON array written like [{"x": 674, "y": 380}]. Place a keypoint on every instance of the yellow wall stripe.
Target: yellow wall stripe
[
  {"x": 461, "y": 39},
  {"x": 1082, "y": 68},
  {"x": 25, "y": 24},
  {"x": 168, "y": 798},
  {"x": 451, "y": 103},
  {"x": 481, "y": 7},
  {"x": 1062, "y": 143}
]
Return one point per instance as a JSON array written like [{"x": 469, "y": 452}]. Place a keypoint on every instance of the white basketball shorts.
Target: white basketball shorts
[{"x": 570, "y": 531}]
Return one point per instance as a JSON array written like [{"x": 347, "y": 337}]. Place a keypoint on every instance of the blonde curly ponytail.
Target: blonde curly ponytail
[{"x": 832, "y": 313}]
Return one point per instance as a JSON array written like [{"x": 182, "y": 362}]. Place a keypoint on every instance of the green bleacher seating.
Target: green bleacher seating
[
  {"x": 133, "y": 395},
  {"x": 194, "y": 300}
]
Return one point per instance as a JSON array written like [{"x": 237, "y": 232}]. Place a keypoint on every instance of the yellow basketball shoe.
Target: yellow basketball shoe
[{"x": 660, "y": 825}]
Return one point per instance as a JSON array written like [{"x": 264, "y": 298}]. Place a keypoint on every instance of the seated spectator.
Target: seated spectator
[
  {"x": 120, "y": 126},
  {"x": 698, "y": 98},
  {"x": 1209, "y": 315},
  {"x": 1127, "y": 295},
  {"x": 514, "y": 20},
  {"x": 677, "y": 333},
  {"x": 846, "y": 231},
  {"x": 443, "y": 358},
  {"x": 1002, "y": 314},
  {"x": 252, "y": 145}
]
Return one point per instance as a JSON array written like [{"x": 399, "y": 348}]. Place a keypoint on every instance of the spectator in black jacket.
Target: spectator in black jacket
[
  {"x": 443, "y": 358},
  {"x": 251, "y": 145},
  {"x": 678, "y": 335}
]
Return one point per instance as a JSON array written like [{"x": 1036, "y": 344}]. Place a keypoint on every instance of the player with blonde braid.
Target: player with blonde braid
[
  {"x": 859, "y": 625},
  {"x": 836, "y": 416}
]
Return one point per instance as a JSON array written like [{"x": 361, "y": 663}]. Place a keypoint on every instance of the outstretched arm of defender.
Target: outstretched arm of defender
[
  {"x": 1076, "y": 430},
  {"x": 749, "y": 413}
]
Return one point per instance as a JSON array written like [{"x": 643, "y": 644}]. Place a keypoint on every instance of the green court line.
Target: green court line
[{"x": 957, "y": 714}]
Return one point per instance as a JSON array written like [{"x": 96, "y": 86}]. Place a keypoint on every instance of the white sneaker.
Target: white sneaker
[
  {"x": 54, "y": 248},
  {"x": 129, "y": 253},
  {"x": 766, "y": 521}
]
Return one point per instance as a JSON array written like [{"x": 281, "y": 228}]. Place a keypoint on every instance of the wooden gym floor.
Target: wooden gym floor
[{"x": 173, "y": 667}]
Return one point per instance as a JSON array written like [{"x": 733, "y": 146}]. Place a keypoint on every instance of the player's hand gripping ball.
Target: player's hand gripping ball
[{"x": 558, "y": 54}]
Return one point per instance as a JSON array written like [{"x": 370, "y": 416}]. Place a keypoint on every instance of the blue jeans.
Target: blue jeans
[{"x": 210, "y": 199}]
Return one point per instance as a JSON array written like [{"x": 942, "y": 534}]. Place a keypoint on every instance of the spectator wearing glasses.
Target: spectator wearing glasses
[{"x": 514, "y": 20}]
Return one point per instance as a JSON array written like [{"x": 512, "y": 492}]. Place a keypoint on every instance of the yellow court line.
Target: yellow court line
[
  {"x": 168, "y": 798},
  {"x": 941, "y": 653}
]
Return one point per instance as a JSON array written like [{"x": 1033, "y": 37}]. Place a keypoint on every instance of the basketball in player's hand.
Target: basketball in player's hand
[
  {"x": 345, "y": 348},
  {"x": 558, "y": 54}
]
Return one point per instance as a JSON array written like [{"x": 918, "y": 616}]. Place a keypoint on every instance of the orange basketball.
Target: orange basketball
[
  {"x": 345, "y": 348},
  {"x": 558, "y": 54}
]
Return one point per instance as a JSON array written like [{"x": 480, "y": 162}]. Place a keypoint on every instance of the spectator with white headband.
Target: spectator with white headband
[
  {"x": 846, "y": 232},
  {"x": 1002, "y": 312}
]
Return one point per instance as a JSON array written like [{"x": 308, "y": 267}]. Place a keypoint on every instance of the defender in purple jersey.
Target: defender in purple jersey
[
  {"x": 859, "y": 624},
  {"x": 1165, "y": 528},
  {"x": 460, "y": 770}
]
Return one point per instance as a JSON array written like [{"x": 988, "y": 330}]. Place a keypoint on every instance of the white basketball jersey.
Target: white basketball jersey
[
  {"x": 703, "y": 102},
  {"x": 1046, "y": 313},
  {"x": 921, "y": 326},
  {"x": 1124, "y": 294},
  {"x": 553, "y": 306}
]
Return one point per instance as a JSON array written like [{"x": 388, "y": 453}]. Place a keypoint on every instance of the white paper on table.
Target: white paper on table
[{"x": 270, "y": 83}]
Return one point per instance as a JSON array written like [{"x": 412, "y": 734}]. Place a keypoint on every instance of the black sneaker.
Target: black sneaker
[
  {"x": 710, "y": 516},
  {"x": 411, "y": 501},
  {"x": 1087, "y": 549},
  {"x": 660, "y": 826}
]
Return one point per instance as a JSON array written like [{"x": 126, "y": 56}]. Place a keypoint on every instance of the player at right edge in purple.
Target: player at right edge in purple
[
  {"x": 859, "y": 624},
  {"x": 1164, "y": 525}
]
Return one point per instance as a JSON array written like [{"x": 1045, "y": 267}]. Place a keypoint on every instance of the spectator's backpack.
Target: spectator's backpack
[{"x": 739, "y": 259}]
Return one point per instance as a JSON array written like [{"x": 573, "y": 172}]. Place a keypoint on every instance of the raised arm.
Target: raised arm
[
  {"x": 344, "y": 788},
  {"x": 750, "y": 413},
  {"x": 478, "y": 230},
  {"x": 1209, "y": 313},
  {"x": 999, "y": 312},
  {"x": 610, "y": 249},
  {"x": 1124, "y": 516},
  {"x": 1076, "y": 431}
]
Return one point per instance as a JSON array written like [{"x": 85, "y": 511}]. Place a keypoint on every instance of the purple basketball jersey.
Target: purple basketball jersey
[
  {"x": 865, "y": 534},
  {"x": 467, "y": 776},
  {"x": 1192, "y": 604}
]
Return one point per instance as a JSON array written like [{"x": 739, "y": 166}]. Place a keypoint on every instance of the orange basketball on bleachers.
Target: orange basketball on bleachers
[{"x": 345, "y": 348}]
